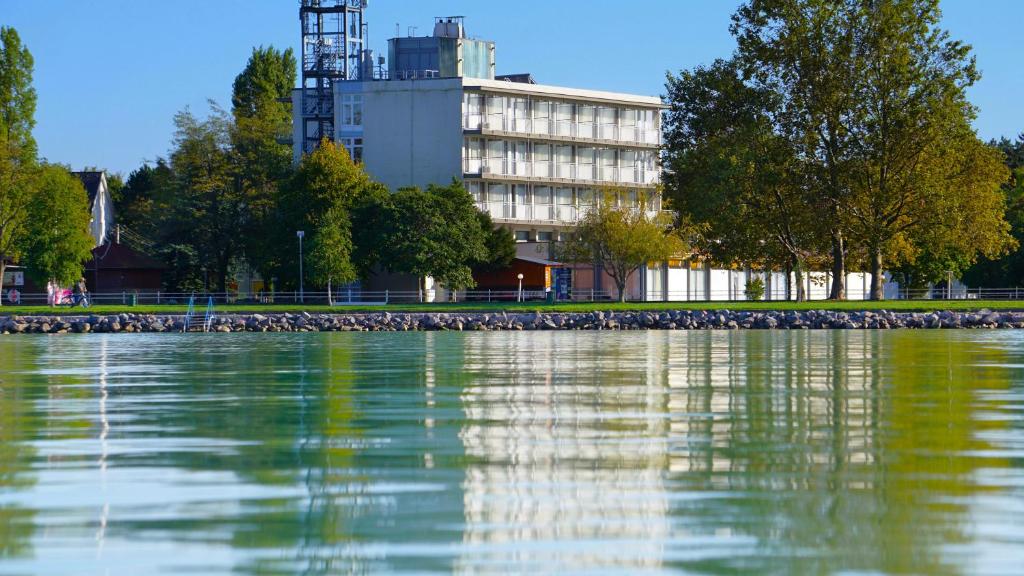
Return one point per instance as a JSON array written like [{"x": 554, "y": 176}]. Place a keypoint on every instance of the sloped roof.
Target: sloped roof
[
  {"x": 540, "y": 261},
  {"x": 91, "y": 180},
  {"x": 121, "y": 257}
]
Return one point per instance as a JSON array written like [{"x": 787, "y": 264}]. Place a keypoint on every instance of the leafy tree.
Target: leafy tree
[
  {"x": 621, "y": 240},
  {"x": 434, "y": 233},
  {"x": 17, "y": 147},
  {"x": 59, "y": 242},
  {"x": 733, "y": 177},
  {"x": 268, "y": 75},
  {"x": 1008, "y": 270},
  {"x": 261, "y": 109},
  {"x": 330, "y": 260},
  {"x": 919, "y": 174},
  {"x": 808, "y": 53},
  {"x": 207, "y": 213},
  {"x": 320, "y": 193},
  {"x": 500, "y": 245}
]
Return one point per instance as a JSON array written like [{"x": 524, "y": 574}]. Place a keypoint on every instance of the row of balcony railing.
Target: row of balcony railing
[
  {"x": 563, "y": 128},
  {"x": 550, "y": 213},
  {"x": 563, "y": 171},
  {"x": 558, "y": 213}
]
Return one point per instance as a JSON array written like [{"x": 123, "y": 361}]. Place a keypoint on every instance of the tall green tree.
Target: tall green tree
[
  {"x": 17, "y": 147},
  {"x": 208, "y": 210},
  {"x": 917, "y": 168},
  {"x": 330, "y": 254},
  {"x": 261, "y": 109},
  {"x": 620, "y": 240},
  {"x": 733, "y": 177},
  {"x": 59, "y": 243},
  {"x": 320, "y": 195},
  {"x": 807, "y": 52}
]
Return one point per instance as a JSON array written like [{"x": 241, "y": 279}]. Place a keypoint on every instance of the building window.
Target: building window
[
  {"x": 545, "y": 236},
  {"x": 475, "y": 190},
  {"x": 351, "y": 110},
  {"x": 474, "y": 110},
  {"x": 354, "y": 146},
  {"x": 522, "y": 235}
]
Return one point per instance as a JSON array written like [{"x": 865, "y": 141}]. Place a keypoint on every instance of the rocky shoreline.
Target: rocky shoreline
[{"x": 496, "y": 321}]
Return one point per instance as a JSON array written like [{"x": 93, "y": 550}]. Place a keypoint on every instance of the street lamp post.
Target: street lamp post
[
  {"x": 520, "y": 276},
  {"x": 301, "y": 234}
]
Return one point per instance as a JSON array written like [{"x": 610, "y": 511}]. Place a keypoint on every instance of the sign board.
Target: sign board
[
  {"x": 563, "y": 283},
  {"x": 13, "y": 296},
  {"x": 14, "y": 278}
]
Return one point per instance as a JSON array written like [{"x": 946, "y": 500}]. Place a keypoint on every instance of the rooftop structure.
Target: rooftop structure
[{"x": 333, "y": 33}]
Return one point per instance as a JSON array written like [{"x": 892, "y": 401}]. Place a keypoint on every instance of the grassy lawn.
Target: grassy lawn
[{"x": 895, "y": 305}]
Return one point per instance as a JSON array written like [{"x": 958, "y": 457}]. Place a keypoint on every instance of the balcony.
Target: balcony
[
  {"x": 552, "y": 129},
  {"x": 565, "y": 214},
  {"x": 590, "y": 174}
]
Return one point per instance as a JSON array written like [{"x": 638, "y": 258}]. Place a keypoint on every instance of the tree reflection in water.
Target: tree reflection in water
[{"x": 719, "y": 452}]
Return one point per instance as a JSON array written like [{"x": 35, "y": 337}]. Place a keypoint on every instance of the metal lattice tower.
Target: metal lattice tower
[{"x": 333, "y": 33}]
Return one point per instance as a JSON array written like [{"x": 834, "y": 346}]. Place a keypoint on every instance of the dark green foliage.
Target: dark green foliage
[
  {"x": 500, "y": 245},
  {"x": 434, "y": 233}
]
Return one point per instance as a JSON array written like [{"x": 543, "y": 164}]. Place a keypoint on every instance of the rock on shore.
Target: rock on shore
[{"x": 492, "y": 321}]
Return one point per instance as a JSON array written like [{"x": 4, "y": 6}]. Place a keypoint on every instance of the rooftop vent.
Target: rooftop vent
[{"x": 449, "y": 27}]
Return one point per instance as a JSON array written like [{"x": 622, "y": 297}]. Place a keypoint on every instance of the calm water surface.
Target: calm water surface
[{"x": 724, "y": 453}]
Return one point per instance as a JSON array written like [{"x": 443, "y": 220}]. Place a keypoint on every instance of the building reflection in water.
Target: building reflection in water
[
  {"x": 801, "y": 451},
  {"x": 566, "y": 446}
]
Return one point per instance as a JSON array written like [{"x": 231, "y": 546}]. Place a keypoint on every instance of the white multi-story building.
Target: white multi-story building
[{"x": 533, "y": 156}]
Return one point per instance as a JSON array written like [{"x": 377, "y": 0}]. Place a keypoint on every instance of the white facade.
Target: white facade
[{"x": 534, "y": 157}]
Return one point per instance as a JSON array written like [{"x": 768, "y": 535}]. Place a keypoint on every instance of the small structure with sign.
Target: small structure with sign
[{"x": 537, "y": 276}]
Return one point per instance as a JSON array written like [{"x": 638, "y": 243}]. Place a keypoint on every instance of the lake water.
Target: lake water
[{"x": 555, "y": 452}]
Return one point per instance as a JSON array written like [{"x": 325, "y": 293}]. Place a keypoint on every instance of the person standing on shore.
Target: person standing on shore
[{"x": 51, "y": 293}]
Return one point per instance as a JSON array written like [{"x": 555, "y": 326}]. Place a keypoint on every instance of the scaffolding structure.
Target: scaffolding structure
[{"x": 333, "y": 36}]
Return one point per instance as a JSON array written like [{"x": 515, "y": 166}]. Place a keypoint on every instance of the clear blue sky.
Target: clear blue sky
[{"x": 111, "y": 73}]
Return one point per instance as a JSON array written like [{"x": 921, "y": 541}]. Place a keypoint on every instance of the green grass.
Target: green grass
[{"x": 895, "y": 305}]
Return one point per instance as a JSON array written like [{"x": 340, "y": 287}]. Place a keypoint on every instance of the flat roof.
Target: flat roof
[{"x": 562, "y": 92}]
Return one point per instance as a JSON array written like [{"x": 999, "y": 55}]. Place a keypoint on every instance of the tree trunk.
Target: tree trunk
[
  {"x": 876, "y": 274},
  {"x": 330, "y": 295},
  {"x": 789, "y": 283},
  {"x": 622, "y": 290},
  {"x": 838, "y": 291},
  {"x": 3, "y": 270},
  {"x": 798, "y": 277}
]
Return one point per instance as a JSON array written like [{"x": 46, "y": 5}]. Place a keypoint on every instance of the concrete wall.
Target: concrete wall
[{"x": 412, "y": 132}]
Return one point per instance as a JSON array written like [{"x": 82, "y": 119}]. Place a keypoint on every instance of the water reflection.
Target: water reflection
[
  {"x": 560, "y": 463},
  {"x": 800, "y": 452}
]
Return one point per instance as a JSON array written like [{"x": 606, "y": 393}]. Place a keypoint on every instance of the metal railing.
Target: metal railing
[
  {"x": 563, "y": 171},
  {"x": 346, "y": 296},
  {"x": 501, "y": 122}
]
